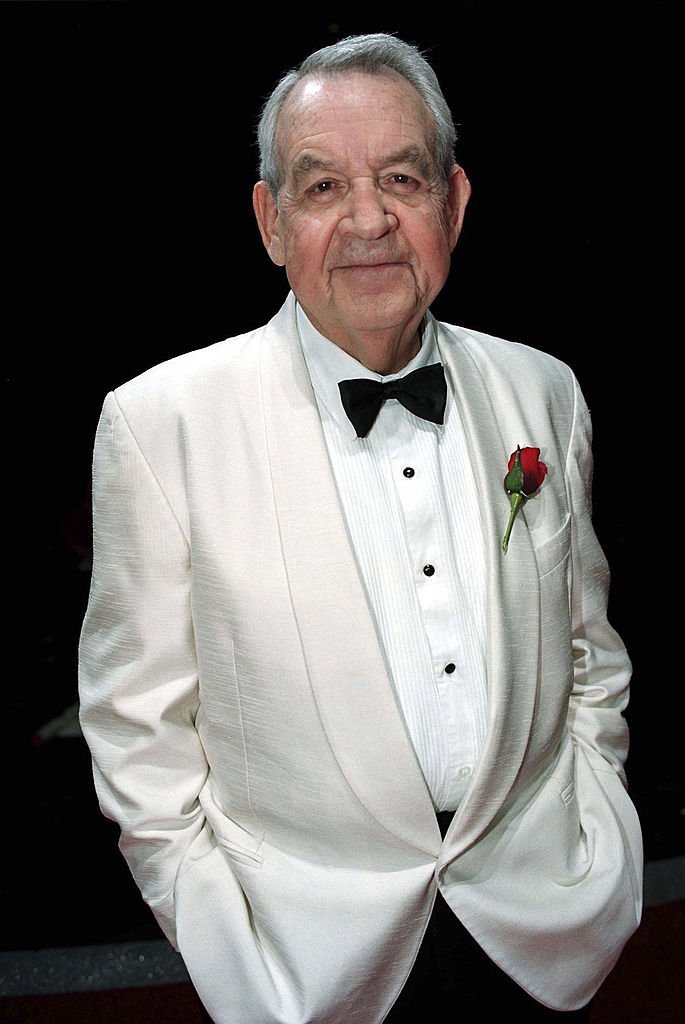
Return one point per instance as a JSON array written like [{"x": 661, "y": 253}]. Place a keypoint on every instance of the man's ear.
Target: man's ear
[
  {"x": 458, "y": 193},
  {"x": 267, "y": 216}
]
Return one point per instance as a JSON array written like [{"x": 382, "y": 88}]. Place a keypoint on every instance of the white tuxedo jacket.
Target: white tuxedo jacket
[{"x": 243, "y": 727}]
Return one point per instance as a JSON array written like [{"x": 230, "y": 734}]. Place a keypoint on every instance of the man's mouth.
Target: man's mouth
[{"x": 370, "y": 265}]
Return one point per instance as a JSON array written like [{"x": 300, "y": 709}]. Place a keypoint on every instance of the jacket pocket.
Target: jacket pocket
[
  {"x": 552, "y": 552},
  {"x": 237, "y": 841}
]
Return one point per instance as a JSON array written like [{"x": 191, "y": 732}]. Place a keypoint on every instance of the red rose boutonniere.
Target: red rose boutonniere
[{"x": 525, "y": 476}]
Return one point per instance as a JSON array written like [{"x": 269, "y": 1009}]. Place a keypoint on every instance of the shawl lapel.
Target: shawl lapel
[
  {"x": 349, "y": 681},
  {"x": 491, "y": 421}
]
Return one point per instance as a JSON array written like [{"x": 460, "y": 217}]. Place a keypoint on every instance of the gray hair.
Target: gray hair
[{"x": 373, "y": 54}]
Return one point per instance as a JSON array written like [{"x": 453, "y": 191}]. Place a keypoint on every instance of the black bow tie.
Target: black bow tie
[{"x": 423, "y": 392}]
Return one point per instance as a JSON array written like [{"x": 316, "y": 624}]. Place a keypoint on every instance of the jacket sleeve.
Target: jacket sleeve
[
  {"x": 137, "y": 668},
  {"x": 602, "y": 668}
]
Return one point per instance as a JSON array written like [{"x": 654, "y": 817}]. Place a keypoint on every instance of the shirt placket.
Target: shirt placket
[{"x": 416, "y": 482}]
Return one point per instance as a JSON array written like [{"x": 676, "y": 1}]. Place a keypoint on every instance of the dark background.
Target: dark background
[{"x": 128, "y": 159}]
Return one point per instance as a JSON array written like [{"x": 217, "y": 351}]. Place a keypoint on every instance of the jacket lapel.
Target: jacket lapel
[
  {"x": 491, "y": 419},
  {"x": 349, "y": 680}
]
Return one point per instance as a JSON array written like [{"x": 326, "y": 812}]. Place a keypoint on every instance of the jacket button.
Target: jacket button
[
  {"x": 429, "y": 570},
  {"x": 450, "y": 667},
  {"x": 408, "y": 471}
]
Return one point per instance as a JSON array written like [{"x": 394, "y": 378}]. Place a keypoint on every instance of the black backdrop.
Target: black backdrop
[{"x": 129, "y": 157}]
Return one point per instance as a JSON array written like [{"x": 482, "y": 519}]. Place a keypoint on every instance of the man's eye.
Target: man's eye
[
  {"x": 404, "y": 179},
  {"x": 321, "y": 187},
  {"x": 402, "y": 182}
]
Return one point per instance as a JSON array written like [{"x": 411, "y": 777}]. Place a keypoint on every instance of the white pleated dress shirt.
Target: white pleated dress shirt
[{"x": 409, "y": 499}]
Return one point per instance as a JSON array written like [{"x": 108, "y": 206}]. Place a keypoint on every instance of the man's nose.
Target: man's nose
[{"x": 368, "y": 210}]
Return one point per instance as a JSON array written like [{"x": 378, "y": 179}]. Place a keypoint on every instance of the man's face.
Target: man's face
[{"x": 364, "y": 225}]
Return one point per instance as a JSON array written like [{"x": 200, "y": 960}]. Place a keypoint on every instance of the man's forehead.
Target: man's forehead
[{"x": 323, "y": 116}]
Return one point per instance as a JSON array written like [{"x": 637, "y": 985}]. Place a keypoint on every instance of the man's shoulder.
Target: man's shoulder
[
  {"x": 500, "y": 354},
  {"x": 188, "y": 369},
  {"x": 230, "y": 363}
]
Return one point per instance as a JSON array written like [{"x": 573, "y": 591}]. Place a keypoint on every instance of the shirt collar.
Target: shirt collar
[{"x": 328, "y": 364}]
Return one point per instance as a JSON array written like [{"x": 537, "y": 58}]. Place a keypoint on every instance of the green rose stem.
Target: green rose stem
[
  {"x": 513, "y": 483},
  {"x": 516, "y": 501}
]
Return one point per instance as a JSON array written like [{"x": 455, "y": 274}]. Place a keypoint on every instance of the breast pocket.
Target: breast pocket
[
  {"x": 555, "y": 584},
  {"x": 554, "y": 551}
]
